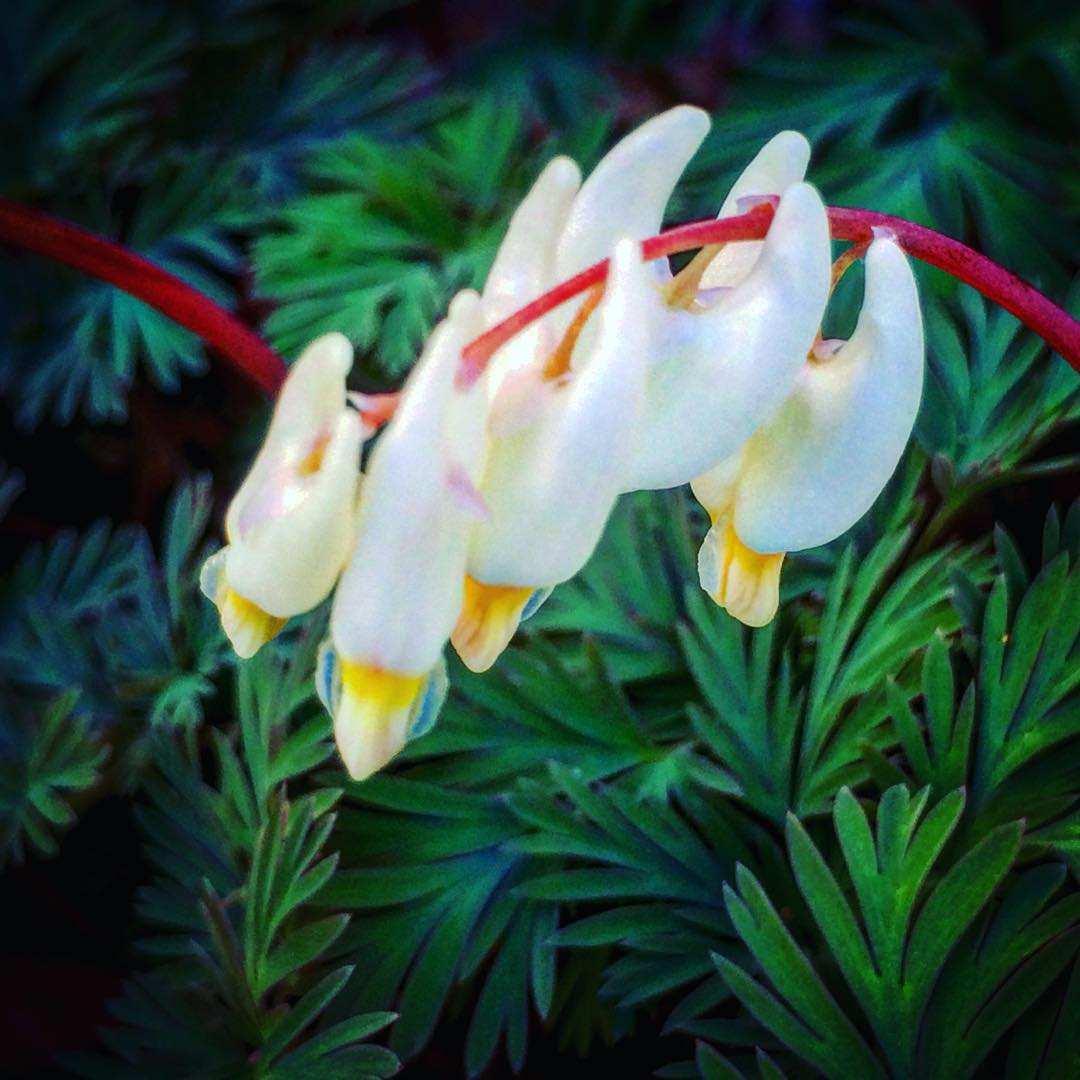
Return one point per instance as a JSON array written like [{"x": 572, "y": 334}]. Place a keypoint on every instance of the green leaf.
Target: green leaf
[
  {"x": 58, "y": 757},
  {"x": 893, "y": 946},
  {"x": 998, "y": 971}
]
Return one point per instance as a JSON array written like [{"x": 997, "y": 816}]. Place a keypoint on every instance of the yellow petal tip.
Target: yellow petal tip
[
  {"x": 490, "y": 615},
  {"x": 246, "y": 625},
  {"x": 746, "y": 583},
  {"x": 372, "y": 712}
]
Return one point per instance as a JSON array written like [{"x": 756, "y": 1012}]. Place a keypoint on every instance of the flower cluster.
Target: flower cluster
[{"x": 477, "y": 501}]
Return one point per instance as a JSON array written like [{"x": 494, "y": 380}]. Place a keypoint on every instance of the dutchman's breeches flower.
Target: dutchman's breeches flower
[
  {"x": 735, "y": 326},
  {"x": 718, "y": 362},
  {"x": 483, "y": 494},
  {"x": 558, "y": 441},
  {"x": 819, "y": 462},
  {"x": 381, "y": 674},
  {"x": 290, "y": 526}
]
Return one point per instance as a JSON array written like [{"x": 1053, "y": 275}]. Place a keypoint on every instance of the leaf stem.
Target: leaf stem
[{"x": 101, "y": 258}]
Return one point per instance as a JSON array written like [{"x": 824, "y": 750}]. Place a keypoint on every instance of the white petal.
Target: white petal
[
  {"x": 719, "y": 373},
  {"x": 289, "y": 564},
  {"x": 524, "y": 266},
  {"x": 310, "y": 401},
  {"x": 780, "y": 163},
  {"x": 401, "y": 593},
  {"x": 315, "y": 384},
  {"x": 820, "y": 461},
  {"x": 246, "y": 625},
  {"x": 715, "y": 489},
  {"x": 626, "y": 193},
  {"x": 552, "y": 481}
]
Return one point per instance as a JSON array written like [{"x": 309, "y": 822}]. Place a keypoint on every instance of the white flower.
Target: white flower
[
  {"x": 290, "y": 525},
  {"x": 737, "y": 322},
  {"x": 562, "y": 227},
  {"x": 819, "y": 462},
  {"x": 479, "y": 500},
  {"x": 400, "y": 596},
  {"x": 558, "y": 441},
  {"x": 721, "y": 369},
  {"x": 719, "y": 359}
]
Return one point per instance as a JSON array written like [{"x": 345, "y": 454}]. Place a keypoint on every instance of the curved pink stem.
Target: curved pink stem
[
  {"x": 110, "y": 262},
  {"x": 1051, "y": 322}
]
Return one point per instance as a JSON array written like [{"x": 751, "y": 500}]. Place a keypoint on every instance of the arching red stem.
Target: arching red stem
[
  {"x": 1055, "y": 325},
  {"x": 103, "y": 259}
]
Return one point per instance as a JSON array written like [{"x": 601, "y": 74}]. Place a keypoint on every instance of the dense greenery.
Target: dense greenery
[{"x": 846, "y": 845}]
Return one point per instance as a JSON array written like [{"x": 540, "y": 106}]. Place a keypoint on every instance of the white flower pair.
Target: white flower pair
[{"x": 476, "y": 502}]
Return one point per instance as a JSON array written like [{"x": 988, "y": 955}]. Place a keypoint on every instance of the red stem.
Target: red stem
[
  {"x": 1055, "y": 325},
  {"x": 103, "y": 259}
]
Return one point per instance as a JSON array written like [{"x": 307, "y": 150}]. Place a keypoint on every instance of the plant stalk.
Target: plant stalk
[
  {"x": 102, "y": 259},
  {"x": 245, "y": 350}
]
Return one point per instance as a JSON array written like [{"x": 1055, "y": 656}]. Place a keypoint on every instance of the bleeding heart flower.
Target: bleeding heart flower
[{"x": 290, "y": 526}]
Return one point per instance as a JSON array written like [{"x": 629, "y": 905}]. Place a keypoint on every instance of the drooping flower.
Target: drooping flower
[
  {"x": 821, "y": 459},
  {"x": 557, "y": 445},
  {"x": 729, "y": 355},
  {"x": 718, "y": 361},
  {"x": 290, "y": 525},
  {"x": 742, "y": 319},
  {"x": 562, "y": 226},
  {"x": 737, "y": 323},
  {"x": 480, "y": 497},
  {"x": 380, "y": 674}
]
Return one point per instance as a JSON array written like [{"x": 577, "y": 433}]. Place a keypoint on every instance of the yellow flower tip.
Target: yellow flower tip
[
  {"x": 489, "y": 617},
  {"x": 743, "y": 581},
  {"x": 372, "y": 712},
  {"x": 247, "y": 626}
]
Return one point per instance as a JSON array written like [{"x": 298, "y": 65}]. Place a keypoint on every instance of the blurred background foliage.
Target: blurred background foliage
[{"x": 649, "y": 840}]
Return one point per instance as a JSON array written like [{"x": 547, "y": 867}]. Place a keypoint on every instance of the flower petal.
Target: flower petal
[
  {"x": 288, "y": 564},
  {"x": 373, "y": 709},
  {"x": 525, "y": 267},
  {"x": 821, "y": 460},
  {"x": 743, "y": 581},
  {"x": 310, "y": 401},
  {"x": 626, "y": 193},
  {"x": 246, "y": 625},
  {"x": 525, "y": 263},
  {"x": 400, "y": 596},
  {"x": 780, "y": 163},
  {"x": 720, "y": 372},
  {"x": 553, "y": 477},
  {"x": 490, "y": 615},
  {"x": 716, "y": 489}
]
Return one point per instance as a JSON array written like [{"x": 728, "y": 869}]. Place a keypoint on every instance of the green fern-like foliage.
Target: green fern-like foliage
[
  {"x": 101, "y": 613},
  {"x": 909, "y": 106},
  {"x": 845, "y": 845},
  {"x": 246, "y": 978},
  {"x": 50, "y": 762},
  {"x": 179, "y": 185},
  {"x": 384, "y": 239},
  {"x": 908, "y": 944}
]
